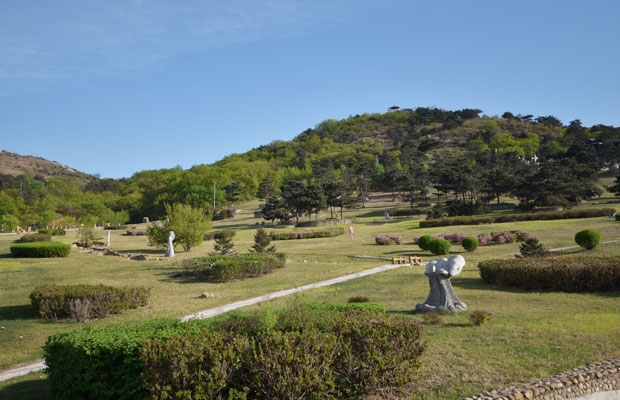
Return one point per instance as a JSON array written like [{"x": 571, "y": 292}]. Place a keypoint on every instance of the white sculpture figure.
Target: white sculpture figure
[
  {"x": 442, "y": 296},
  {"x": 170, "y": 251},
  {"x": 108, "y": 243}
]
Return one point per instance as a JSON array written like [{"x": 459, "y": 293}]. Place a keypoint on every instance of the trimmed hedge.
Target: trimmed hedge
[
  {"x": 439, "y": 247},
  {"x": 40, "y": 249},
  {"x": 406, "y": 212},
  {"x": 224, "y": 268},
  {"x": 34, "y": 237},
  {"x": 53, "y": 232},
  {"x": 588, "y": 238},
  {"x": 548, "y": 215},
  {"x": 617, "y": 216},
  {"x": 566, "y": 274},
  {"x": 262, "y": 355},
  {"x": 307, "y": 234},
  {"x": 56, "y": 301},
  {"x": 358, "y": 354},
  {"x": 115, "y": 227}
]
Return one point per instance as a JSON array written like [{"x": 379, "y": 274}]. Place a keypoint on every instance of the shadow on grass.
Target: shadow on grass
[
  {"x": 32, "y": 389},
  {"x": 17, "y": 312}
]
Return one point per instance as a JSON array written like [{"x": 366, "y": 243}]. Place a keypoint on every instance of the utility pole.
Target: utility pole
[{"x": 213, "y": 196}]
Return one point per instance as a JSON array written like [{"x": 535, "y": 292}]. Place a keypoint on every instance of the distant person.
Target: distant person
[{"x": 387, "y": 215}]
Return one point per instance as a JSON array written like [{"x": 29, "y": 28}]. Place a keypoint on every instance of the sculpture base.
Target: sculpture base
[{"x": 456, "y": 307}]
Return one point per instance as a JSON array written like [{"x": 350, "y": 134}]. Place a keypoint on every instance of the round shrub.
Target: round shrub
[
  {"x": 439, "y": 247},
  {"x": 40, "y": 249},
  {"x": 425, "y": 241},
  {"x": 588, "y": 238},
  {"x": 470, "y": 243}
]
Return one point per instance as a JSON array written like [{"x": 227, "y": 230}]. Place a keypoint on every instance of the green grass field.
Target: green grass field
[{"x": 529, "y": 334}]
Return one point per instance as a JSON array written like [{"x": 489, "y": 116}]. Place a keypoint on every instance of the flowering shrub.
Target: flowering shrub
[
  {"x": 388, "y": 239},
  {"x": 484, "y": 238},
  {"x": 452, "y": 238}
]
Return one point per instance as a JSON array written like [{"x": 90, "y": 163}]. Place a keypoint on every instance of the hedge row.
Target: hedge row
[
  {"x": 548, "y": 215},
  {"x": 115, "y": 227},
  {"x": 566, "y": 274},
  {"x": 307, "y": 234},
  {"x": 136, "y": 232},
  {"x": 224, "y": 268},
  {"x": 53, "y": 232},
  {"x": 406, "y": 212},
  {"x": 40, "y": 249},
  {"x": 266, "y": 354},
  {"x": 357, "y": 355},
  {"x": 99, "y": 301},
  {"x": 34, "y": 237}
]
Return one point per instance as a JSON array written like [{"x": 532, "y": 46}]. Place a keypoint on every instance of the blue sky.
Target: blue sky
[{"x": 114, "y": 87}]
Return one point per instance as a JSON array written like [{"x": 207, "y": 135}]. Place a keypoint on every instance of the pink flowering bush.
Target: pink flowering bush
[{"x": 388, "y": 239}]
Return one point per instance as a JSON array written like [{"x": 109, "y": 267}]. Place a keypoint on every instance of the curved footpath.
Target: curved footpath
[{"x": 40, "y": 365}]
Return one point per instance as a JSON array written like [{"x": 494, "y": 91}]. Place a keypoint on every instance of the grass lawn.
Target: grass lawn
[{"x": 529, "y": 334}]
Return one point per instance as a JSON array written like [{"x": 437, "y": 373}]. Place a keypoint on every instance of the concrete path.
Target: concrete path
[
  {"x": 26, "y": 369},
  {"x": 255, "y": 300}
]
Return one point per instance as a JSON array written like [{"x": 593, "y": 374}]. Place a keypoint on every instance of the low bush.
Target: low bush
[
  {"x": 40, "y": 249},
  {"x": 222, "y": 214},
  {"x": 588, "y": 238},
  {"x": 138, "y": 233},
  {"x": 424, "y": 242},
  {"x": 388, "y": 239},
  {"x": 226, "y": 233},
  {"x": 535, "y": 216},
  {"x": 260, "y": 355},
  {"x": 470, "y": 243},
  {"x": 617, "y": 216},
  {"x": 59, "y": 301},
  {"x": 439, "y": 247},
  {"x": 365, "y": 306},
  {"x": 115, "y": 227},
  {"x": 567, "y": 274},
  {"x": 53, "y": 232},
  {"x": 479, "y": 317},
  {"x": 405, "y": 212},
  {"x": 307, "y": 234},
  {"x": 429, "y": 223},
  {"x": 224, "y": 268},
  {"x": 34, "y": 237},
  {"x": 358, "y": 299},
  {"x": 433, "y": 318}
]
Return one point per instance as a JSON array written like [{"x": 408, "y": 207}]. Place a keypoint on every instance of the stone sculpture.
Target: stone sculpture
[
  {"x": 170, "y": 251},
  {"x": 441, "y": 296}
]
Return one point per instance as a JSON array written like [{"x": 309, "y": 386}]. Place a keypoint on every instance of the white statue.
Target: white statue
[
  {"x": 108, "y": 243},
  {"x": 442, "y": 296},
  {"x": 170, "y": 252}
]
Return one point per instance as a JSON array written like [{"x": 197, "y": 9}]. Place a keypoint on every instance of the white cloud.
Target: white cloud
[{"x": 42, "y": 41}]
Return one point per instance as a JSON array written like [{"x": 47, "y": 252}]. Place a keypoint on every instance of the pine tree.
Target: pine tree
[
  {"x": 532, "y": 248},
  {"x": 223, "y": 244},
  {"x": 262, "y": 242}
]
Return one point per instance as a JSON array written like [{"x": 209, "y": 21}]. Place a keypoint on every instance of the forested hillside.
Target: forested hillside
[{"x": 469, "y": 159}]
